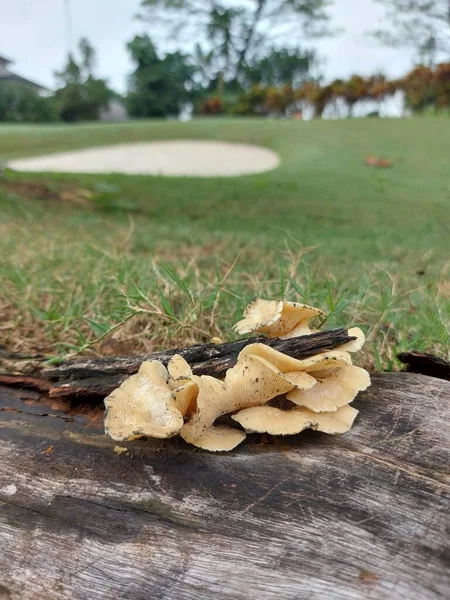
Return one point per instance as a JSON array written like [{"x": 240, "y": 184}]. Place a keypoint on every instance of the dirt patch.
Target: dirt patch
[
  {"x": 41, "y": 190},
  {"x": 29, "y": 189}
]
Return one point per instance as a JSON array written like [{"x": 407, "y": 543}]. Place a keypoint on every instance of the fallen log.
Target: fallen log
[
  {"x": 98, "y": 377},
  {"x": 360, "y": 515}
]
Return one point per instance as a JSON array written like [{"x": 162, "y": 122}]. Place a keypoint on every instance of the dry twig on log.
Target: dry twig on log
[
  {"x": 425, "y": 364},
  {"x": 98, "y": 377}
]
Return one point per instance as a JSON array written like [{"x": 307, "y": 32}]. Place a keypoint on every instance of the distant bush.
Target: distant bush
[
  {"x": 442, "y": 83},
  {"x": 19, "y": 102},
  {"x": 211, "y": 106},
  {"x": 423, "y": 88},
  {"x": 316, "y": 95},
  {"x": 251, "y": 102},
  {"x": 426, "y": 88},
  {"x": 271, "y": 100},
  {"x": 419, "y": 89}
]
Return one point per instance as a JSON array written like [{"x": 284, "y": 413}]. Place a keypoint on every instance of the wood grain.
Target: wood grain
[{"x": 309, "y": 517}]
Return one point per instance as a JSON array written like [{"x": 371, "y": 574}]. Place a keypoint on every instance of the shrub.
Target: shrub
[
  {"x": 18, "y": 102},
  {"x": 212, "y": 106},
  {"x": 316, "y": 95},
  {"x": 442, "y": 83},
  {"x": 251, "y": 102},
  {"x": 419, "y": 89}
]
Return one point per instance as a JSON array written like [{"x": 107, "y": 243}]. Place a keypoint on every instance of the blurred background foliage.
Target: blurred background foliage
[{"x": 244, "y": 58}]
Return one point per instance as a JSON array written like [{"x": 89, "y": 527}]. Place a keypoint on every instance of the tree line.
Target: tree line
[
  {"x": 424, "y": 89},
  {"x": 246, "y": 60}
]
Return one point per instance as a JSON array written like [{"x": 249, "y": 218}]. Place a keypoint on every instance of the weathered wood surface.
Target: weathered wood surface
[
  {"x": 99, "y": 377},
  {"x": 310, "y": 517}
]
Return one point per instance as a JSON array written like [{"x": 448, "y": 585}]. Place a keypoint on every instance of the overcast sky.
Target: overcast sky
[{"x": 33, "y": 34}]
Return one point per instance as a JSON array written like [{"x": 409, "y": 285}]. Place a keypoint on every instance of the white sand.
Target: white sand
[{"x": 158, "y": 158}]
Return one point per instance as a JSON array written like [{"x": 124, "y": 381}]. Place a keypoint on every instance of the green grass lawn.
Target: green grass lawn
[{"x": 147, "y": 262}]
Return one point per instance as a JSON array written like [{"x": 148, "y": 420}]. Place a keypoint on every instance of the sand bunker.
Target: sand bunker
[{"x": 198, "y": 158}]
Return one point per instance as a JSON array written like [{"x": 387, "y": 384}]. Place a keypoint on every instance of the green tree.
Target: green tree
[
  {"x": 220, "y": 31},
  {"x": 419, "y": 89},
  {"x": 204, "y": 65},
  {"x": 158, "y": 86},
  {"x": 71, "y": 73},
  {"x": 239, "y": 31},
  {"x": 421, "y": 24},
  {"x": 317, "y": 95},
  {"x": 279, "y": 67},
  {"x": 88, "y": 58},
  {"x": 442, "y": 84},
  {"x": 81, "y": 96},
  {"x": 352, "y": 90}
]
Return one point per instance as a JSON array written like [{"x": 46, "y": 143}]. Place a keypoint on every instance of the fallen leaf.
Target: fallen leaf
[{"x": 373, "y": 161}]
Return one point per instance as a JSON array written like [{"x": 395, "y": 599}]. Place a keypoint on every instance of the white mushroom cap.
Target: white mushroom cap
[
  {"x": 143, "y": 405},
  {"x": 268, "y": 419},
  {"x": 178, "y": 369},
  {"x": 299, "y": 379},
  {"x": 285, "y": 363},
  {"x": 302, "y": 328},
  {"x": 338, "y": 421},
  {"x": 251, "y": 382},
  {"x": 219, "y": 439},
  {"x": 336, "y": 388},
  {"x": 185, "y": 397},
  {"x": 328, "y": 360},
  {"x": 258, "y": 315},
  {"x": 180, "y": 381},
  {"x": 354, "y": 345},
  {"x": 277, "y": 318},
  {"x": 155, "y": 371}
]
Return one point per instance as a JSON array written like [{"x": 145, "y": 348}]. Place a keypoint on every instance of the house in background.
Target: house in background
[
  {"x": 8, "y": 76},
  {"x": 115, "y": 111}
]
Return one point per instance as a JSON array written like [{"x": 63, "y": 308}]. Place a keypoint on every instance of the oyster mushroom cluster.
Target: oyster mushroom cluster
[{"x": 163, "y": 402}]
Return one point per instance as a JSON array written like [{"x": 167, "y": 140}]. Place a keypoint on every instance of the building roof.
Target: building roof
[
  {"x": 6, "y": 75},
  {"x": 5, "y": 61}
]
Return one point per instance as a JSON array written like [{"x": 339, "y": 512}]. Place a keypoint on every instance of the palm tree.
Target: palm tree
[
  {"x": 204, "y": 63},
  {"x": 220, "y": 30}
]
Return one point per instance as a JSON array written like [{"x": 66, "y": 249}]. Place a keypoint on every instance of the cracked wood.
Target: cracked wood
[{"x": 362, "y": 515}]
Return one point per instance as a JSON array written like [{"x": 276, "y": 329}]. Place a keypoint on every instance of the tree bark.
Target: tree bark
[
  {"x": 99, "y": 377},
  {"x": 426, "y": 364}
]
